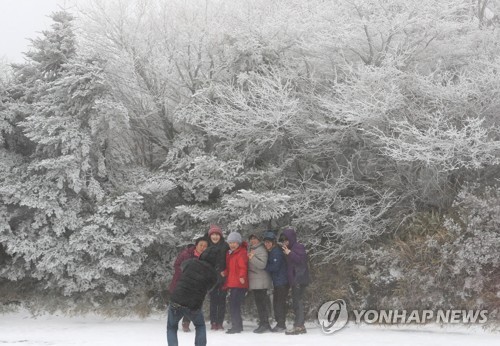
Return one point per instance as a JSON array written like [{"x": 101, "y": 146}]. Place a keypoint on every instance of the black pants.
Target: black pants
[
  {"x": 261, "y": 302},
  {"x": 217, "y": 306},
  {"x": 236, "y": 298},
  {"x": 298, "y": 304},
  {"x": 280, "y": 294}
]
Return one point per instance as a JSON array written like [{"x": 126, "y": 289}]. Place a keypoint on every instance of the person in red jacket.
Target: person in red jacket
[
  {"x": 191, "y": 251},
  {"x": 236, "y": 274}
]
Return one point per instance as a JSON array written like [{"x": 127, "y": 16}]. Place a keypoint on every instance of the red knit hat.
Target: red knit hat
[{"x": 214, "y": 229}]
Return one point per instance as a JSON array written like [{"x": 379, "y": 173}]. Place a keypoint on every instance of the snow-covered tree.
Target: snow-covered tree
[
  {"x": 65, "y": 221},
  {"x": 357, "y": 122}
]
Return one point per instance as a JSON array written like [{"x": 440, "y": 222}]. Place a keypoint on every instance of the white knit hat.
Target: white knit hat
[{"x": 234, "y": 237}]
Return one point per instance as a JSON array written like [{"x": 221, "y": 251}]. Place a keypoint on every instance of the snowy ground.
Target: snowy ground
[{"x": 21, "y": 329}]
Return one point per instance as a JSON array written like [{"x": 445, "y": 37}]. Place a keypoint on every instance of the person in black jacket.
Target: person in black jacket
[
  {"x": 217, "y": 249},
  {"x": 197, "y": 278},
  {"x": 191, "y": 251}
]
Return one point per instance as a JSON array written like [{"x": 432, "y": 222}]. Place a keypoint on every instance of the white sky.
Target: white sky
[{"x": 21, "y": 20}]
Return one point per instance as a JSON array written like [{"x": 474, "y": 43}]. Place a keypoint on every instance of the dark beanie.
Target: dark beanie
[{"x": 269, "y": 235}]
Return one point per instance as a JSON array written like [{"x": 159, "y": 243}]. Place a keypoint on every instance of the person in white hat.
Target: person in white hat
[{"x": 237, "y": 279}]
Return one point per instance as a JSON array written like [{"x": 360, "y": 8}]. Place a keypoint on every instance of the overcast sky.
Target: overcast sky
[{"x": 23, "y": 19}]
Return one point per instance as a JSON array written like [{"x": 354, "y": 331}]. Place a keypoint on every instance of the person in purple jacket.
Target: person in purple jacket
[{"x": 298, "y": 277}]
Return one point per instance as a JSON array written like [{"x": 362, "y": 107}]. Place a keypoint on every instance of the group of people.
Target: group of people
[{"x": 232, "y": 266}]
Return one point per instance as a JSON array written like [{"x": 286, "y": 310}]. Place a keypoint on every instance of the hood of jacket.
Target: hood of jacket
[{"x": 291, "y": 235}]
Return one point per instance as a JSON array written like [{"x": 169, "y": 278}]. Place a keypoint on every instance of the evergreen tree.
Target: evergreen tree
[{"x": 65, "y": 225}]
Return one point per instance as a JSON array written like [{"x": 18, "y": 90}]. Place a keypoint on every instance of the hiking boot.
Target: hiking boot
[
  {"x": 219, "y": 326},
  {"x": 278, "y": 329},
  {"x": 233, "y": 331},
  {"x": 213, "y": 326},
  {"x": 185, "y": 327},
  {"x": 262, "y": 329},
  {"x": 296, "y": 331}
]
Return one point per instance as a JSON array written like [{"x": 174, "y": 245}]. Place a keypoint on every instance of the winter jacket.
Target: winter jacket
[
  {"x": 197, "y": 278},
  {"x": 298, "y": 270},
  {"x": 236, "y": 267},
  {"x": 217, "y": 254},
  {"x": 258, "y": 278},
  {"x": 185, "y": 254},
  {"x": 276, "y": 266}
]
